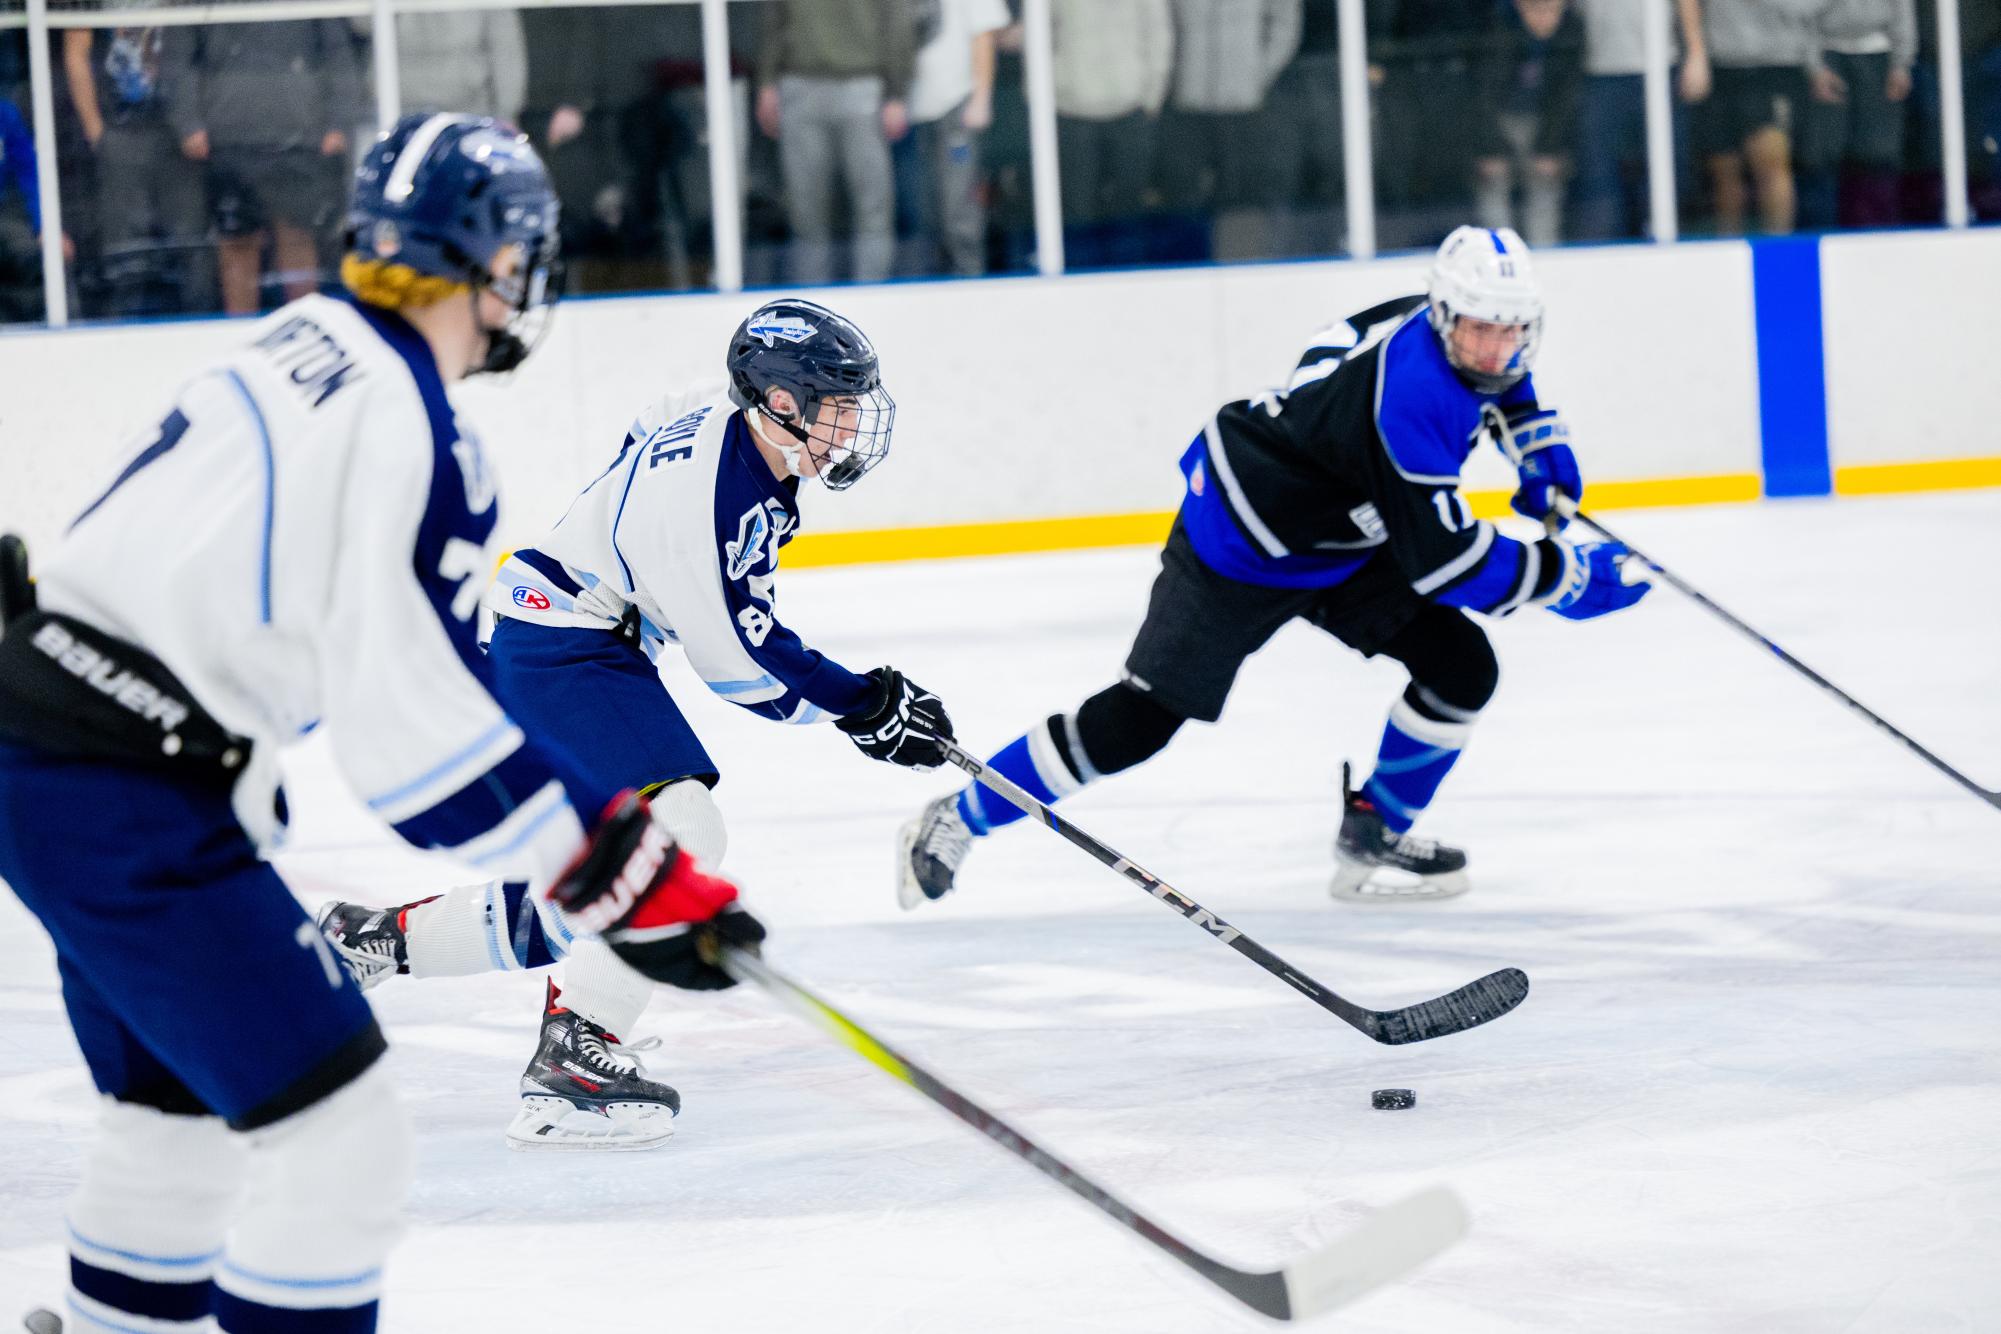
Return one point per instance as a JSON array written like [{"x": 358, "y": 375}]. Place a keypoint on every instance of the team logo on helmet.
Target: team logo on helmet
[{"x": 789, "y": 327}]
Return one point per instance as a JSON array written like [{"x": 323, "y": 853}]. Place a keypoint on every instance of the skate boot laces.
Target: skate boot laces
[{"x": 944, "y": 836}]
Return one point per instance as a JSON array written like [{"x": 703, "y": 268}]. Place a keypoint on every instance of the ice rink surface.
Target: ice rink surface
[{"x": 1756, "y": 1086}]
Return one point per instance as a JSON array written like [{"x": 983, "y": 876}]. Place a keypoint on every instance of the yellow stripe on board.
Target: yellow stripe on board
[
  {"x": 1087, "y": 532},
  {"x": 1878, "y": 479}
]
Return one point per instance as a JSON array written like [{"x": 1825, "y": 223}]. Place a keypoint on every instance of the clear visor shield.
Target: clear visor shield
[
  {"x": 530, "y": 291},
  {"x": 850, "y": 434}
]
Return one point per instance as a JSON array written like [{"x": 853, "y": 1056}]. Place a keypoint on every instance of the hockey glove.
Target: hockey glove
[
  {"x": 903, "y": 725},
  {"x": 1538, "y": 443},
  {"x": 1595, "y": 581},
  {"x": 647, "y": 900}
]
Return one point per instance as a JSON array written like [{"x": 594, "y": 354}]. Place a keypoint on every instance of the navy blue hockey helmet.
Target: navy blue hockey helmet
[
  {"x": 822, "y": 361},
  {"x": 457, "y": 197}
]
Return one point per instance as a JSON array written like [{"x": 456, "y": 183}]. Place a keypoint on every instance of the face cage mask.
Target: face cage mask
[
  {"x": 1444, "y": 320},
  {"x": 533, "y": 303},
  {"x": 841, "y": 465}
]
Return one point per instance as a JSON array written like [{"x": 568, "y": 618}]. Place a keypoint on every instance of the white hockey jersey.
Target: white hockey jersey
[
  {"x": 303, "y": 540},
  {"x": 682, "y": 531}
]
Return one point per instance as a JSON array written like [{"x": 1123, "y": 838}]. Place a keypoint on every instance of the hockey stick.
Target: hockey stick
[
  {"x": 1989, "y": 795},
  {"x": 1480, "y": 1001},
  {"x": 1384, "y": 1247}
]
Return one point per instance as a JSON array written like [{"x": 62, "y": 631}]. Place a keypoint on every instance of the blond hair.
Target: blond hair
[{"x": 395, "y": 286}]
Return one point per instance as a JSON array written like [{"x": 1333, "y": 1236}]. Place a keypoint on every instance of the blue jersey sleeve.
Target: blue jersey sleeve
[{"x": 1427, "y": 422}]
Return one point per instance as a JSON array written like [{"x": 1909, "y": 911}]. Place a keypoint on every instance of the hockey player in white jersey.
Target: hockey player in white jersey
[
  {"x": 299, "y": 541},
  {"x": 676, "y": 542}
]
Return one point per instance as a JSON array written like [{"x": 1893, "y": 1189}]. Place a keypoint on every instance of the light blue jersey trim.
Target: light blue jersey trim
[
  {"x": 270, "y": 486},
  {"x": 742, "y": 687},
  {"x": 444, "y": 767},
  {"x": 164, "y": 1261},
  {"x": 304, "y": 1284},
  {"x": 534, "y": 826}
]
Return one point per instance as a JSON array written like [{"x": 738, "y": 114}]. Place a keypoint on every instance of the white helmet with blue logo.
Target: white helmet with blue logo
[{"x": 1486, "y": 274}]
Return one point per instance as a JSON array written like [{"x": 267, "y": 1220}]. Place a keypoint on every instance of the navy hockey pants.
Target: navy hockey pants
[
  {"x": 595, "y": 706},
  {"x": 194, "y": 980}
]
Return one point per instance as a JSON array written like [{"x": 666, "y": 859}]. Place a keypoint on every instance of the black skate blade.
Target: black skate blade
[{"x": 1478, "y": 1002}]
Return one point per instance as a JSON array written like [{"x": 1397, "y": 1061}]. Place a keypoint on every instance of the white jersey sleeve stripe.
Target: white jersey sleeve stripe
[
  {"x": 270, "y": 488},
  {"x": 742, "y": 687},
  {"x": 451, "y": 774},
  {"x": 546, "y": 824}
]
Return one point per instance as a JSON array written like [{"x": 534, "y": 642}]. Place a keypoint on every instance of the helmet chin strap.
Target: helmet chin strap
[{"x": 792, "y": 449}]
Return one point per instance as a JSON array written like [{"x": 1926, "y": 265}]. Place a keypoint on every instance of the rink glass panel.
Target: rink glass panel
[
  {"x": 1224, "y": 141},
  {"x": 201, "y": 168}
]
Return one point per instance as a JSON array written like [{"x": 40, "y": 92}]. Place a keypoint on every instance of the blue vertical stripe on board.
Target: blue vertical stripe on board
[{"x": 1792, "y": 369}]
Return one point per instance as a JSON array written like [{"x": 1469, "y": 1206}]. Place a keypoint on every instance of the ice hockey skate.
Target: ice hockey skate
[
  {"x": 582, "y": 1090},
  {"x": 1375, "y": 864},
  {"x": 930, "y": 851},
  {"x": 369, "y": 941}
]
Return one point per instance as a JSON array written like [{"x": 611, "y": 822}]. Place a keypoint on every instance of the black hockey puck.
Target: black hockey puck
[{"x": 1390, "y": 1100}]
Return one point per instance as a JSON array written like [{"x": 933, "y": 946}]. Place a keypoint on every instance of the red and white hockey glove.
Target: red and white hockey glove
[{"x": 649, "y": 901}]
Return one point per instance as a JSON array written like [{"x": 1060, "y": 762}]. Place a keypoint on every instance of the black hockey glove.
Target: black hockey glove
[
  {"x": 903, "y": 725},
  {"x": 645, "y": 898}
]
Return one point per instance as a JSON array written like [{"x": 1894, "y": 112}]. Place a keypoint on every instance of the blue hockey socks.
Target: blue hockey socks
[
  {"x": 1034, "y": 762},
  {"x": 1417, "y": 752}
]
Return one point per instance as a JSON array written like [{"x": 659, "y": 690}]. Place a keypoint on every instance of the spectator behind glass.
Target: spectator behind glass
[
  {"x": 951, "y": 106},
  {"x": 1531, "y": 63},
  {"x": 1611, "y": 181},
  {"x": 1301, "y": 139},
  {"x": 1425, "y": 51},
  {"x": 832, "y": 76},
  {"x": 20, "y": 220},
  {"x": 1227, "y": 55},
  {"x": 1113, "y": 60},
  {"x": 1852, "y": 145},
  {"x": 471, "y": 60},
  {"x": 609, "y": 95},
  {"x": 265, "y": 106},
  {"x": 152, "y": 210},
  {"x": 1980, "y": 35},
  {"x": 1758, "y": 51}
]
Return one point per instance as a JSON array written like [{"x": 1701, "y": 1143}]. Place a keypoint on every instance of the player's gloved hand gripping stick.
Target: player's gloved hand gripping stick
[
  {"x": 1566, "y": 508},
  {"x": 1478, "y": 1002},
  {"x": 902, "y": 725},
  {"x": 648, "y": 900}
]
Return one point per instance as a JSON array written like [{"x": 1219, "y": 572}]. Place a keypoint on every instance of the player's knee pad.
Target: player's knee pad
[
  {"x": 688, "y": 811},
  {"x": 1114, "y": 730},
  {"x": 156, "y": 1197},
  {"x": 324, "y": 1201},
  {"x": 1453, "y": 670}
]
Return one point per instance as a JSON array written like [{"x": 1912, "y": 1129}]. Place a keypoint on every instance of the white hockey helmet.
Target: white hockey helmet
[{"x": 1486, "y": 274}]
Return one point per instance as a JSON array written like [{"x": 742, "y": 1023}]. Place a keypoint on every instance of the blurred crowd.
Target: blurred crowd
[{"x": 202, "y": 166}]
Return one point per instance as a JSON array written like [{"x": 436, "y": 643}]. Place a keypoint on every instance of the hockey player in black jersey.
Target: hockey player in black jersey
[{"x": 1337, "y": 500}]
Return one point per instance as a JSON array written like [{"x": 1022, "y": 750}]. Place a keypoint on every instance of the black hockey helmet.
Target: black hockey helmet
[{"x": 817, "y": 357}]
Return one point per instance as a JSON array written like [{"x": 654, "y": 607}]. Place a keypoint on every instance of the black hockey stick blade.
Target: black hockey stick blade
[
  {"x": 1381, "y": 1249},
  {"x": 1478, "y": 1002},
  {"x": 1989, "y": 795}
]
